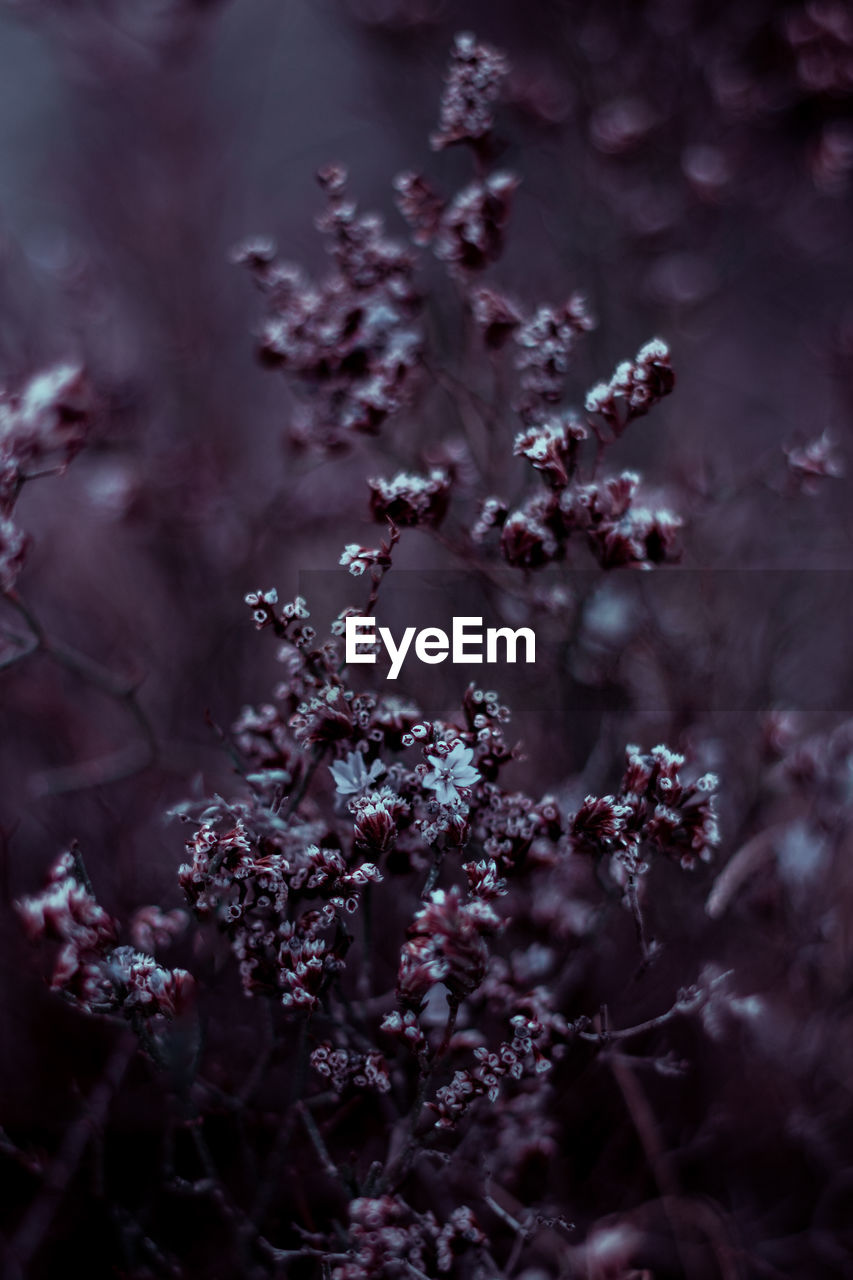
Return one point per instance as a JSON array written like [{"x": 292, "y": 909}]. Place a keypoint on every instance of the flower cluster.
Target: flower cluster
[
  {"x": 810, "y": 463},
  {"x": 347, "y": 1068},
  {"x": 408, "y": 500},
  {"x": 506, "y": 826},
  {"x": 351, "y": 340},
  {"x": 653, "y": 810},
  {"x": 388, "y": 1238},
  {"x": 253, "y": 881},
  {"x": 618, "y": 530},
  {"x": 375, "y": 816},
  {"x": 496, "y": 317},
  {"x": 473, "y": 85},
  {"x": 90, "y": 969},
  {"x": 546, "y": 342},
  {"x": 42, "y": 427},
  {"x": 508, "y": 1060},
  {"x": 466, "y": 233},
  {"x": 373, "y": 560},
  {"x": 404, "y": 1026},
  {"x": 470, "y": 232},
  {"x": 551, "y": 445},
  {"x": 635, "y": 387},
  {"x": 447, "y": 944}
]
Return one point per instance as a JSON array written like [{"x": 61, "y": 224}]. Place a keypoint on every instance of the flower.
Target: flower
[
  {"x": 352, "y": 777},
  {"x": 451, "y": 773},
  {"x": 808, "y": 464},
  {"x": 357, "y": 559},
  {"x": 409, "y": 500},
  {"x": 472, "y": 87}
]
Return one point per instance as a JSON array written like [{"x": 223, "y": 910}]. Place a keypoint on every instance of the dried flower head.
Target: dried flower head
[{"x": 473, "y": 86}]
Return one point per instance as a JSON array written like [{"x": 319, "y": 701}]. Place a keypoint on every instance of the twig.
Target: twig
[
  {"x": 625, "y": 1033},
  {"x": 116, "y": 766},
  {"x": 398, "y": 1166},
  {"x": 434, "y": 873},
  {"x": 329, "y": 1166},
  {"x": 32, "y": 1232}
]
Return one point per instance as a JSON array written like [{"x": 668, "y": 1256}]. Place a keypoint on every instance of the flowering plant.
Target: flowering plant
[{"x": 441, "y": 981}]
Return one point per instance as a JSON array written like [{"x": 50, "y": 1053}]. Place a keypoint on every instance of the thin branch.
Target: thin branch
[
  {"x": 34, "y": 1228},
  {"x": 116, "y": 766},
  {"x": 329, "y": 1166}
]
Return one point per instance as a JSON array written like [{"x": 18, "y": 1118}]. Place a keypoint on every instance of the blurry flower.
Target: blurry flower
[
  {"x": 470, "y": 234},
  {"x": 141, "y": 986},
  {"x": 410, "y": 500},
  {"x": 352, "y": 777},
  {"x": 13, "y": 550},
  {"x": 419, "y": 204},
  {"x": 152, "y": 927},
  {"x": 350, "y": 337},
  {"x": 473, "y": 86},
  {"x": 551, "y": 446},
  {"x": 90, "y": 969},
  {"x": 527, "y": 539},
  {"x": 494, "y": 315},
  {"x": 44, "y": 424},
  {"x": 621, "y": 124},
  {"x": 810, "y": 463},
  {"x": 635, "y": 387},
  {"x": 546, "y": 342}
]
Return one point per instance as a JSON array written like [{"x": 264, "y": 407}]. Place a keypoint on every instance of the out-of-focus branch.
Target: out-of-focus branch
[
  {"x": 36, "y": 1224},
  {"x": 115, "y": 766}
]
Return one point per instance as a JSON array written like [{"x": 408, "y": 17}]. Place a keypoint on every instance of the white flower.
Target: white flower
[
  {"x": 358, "y": 559},
  {"x": 351, "y": 775},
  {"x": 449, "y": 773}
]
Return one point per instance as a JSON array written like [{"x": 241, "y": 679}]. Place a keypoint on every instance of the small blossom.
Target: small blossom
[
  {"x": 420, "y": 206},
  {"x": 495, "y": 316},
  {"x": 358, "y": 559},
  {"x": 551, "y": 446},
  {"x": 262, "y": 605},
  {"x": 473, "y": 86},
  {"x": 375, "y": 828},
  {"x": 410, "y": 500},
  {"x": 352, "y": 777},
  {"x": 528, "y": 540},
  {"x": 470, "y": 233},
  {"x": 546, "y": 342},
  {"x": 450, "y": 773},
  {"x": 152, "y": 927},
  {"x": 810, "y": 463},
  {"x": 446, "y": 944},
  {"x": 13, "y": 551},
  {"x": 635, "y": 387}
]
